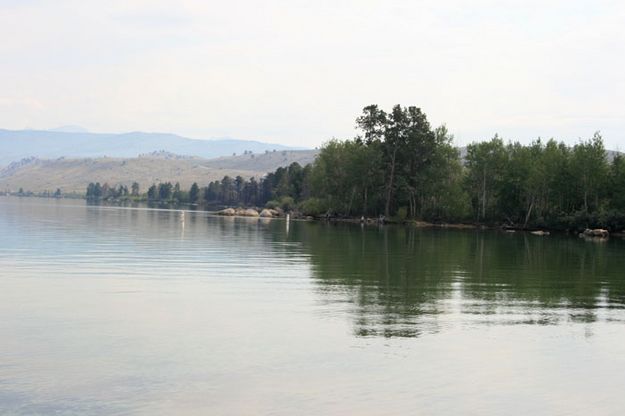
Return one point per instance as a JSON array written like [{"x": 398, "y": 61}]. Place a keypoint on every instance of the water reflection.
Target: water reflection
[
  {"x": 406, "y": 282},
  {"x": 134, "y": 311},
  {"x": 387, "y": 281}
]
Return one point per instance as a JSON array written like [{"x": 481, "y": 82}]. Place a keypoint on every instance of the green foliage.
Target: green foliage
[
  {"x": 95, "y": 191},
  {"x": 344, "y": 174},
  {"x": 134, "y": 189},
  {"x": 399, "y": 161},
  {"x": 616, "y": 183},
  {"x": 402, "y": 214},
  {"x": 165, "y": 191},
  {"x": 590, "y": 169},
  {"x": 313, "y": 207},
  {"x": 485, "y": 164},
  {"x": 547, "y": 185},
  {"x": 194, "y": 193},
  {"x": 287, "y": 203},
  {"x": 273, "y": 204},
  {"x": 152, "y": 193},
  {"x": 406, "y": 144}
]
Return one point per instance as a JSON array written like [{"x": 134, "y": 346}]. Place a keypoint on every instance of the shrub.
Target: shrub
[
  {"x": 313, "y": 207},
  {"x": 273, "y": 204},
  {"x": 287, "y": 203},
  {"x": 402, "y": 214}
]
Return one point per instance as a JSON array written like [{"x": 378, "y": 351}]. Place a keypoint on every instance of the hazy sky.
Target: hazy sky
[{"x": 299, "y": 72}]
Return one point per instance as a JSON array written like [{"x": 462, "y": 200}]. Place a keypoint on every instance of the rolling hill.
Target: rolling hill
[{"x": 74, "y": 174}]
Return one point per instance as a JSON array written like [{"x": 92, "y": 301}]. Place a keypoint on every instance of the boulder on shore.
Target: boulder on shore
[
  {"x": 227, "y": 212},
  {"x": 597, "y": 232},
  {"x": 266, "y": 213},
  {"x": 540, "y": 232},
  {"x": 241, "y": 212},
  {"x": 249, "y": 213}
]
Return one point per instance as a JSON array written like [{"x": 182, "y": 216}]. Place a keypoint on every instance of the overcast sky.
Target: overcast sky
[{"x": 299, "y": 72}]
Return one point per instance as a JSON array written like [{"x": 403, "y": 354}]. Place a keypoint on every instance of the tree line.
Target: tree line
[
  {"x": 96, "y": 191},
  {"x": 279, "y": 188},
  {"x": 400, "y": 167}
]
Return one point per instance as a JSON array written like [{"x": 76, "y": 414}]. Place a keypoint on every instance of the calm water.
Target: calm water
[{"x": 109, "y": 311}]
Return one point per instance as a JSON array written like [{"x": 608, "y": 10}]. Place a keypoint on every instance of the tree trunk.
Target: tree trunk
[
  {"x": 351, "y": 199},
  {"x": 529, "y": 212},
  {"x": 389, "y": 189},
  {"x": 364, "y": 206},
  {"x": 483, "y": 194}
]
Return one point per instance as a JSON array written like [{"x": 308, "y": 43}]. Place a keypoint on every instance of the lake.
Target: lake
[{"x": 115, "y": 311}]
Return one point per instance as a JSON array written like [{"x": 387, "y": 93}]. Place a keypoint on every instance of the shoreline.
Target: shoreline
[{"x": 296, "y": 216}]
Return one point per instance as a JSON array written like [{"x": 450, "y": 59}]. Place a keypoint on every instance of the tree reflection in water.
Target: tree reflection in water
[{"x": 407, "y": 282}]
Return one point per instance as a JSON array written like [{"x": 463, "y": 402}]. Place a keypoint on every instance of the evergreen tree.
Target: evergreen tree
[
  {"x": 134, "y": 189},
  {"x": 152, "y": 193},
  {"x": 194, "y": 193}
]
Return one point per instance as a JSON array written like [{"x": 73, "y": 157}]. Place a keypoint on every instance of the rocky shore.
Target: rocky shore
[
  {"x": 596, "y": 234},
  {"x": 264, "y": 213}
]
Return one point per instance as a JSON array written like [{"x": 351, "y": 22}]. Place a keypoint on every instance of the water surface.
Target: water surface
[{"x": 154, "y": 312}]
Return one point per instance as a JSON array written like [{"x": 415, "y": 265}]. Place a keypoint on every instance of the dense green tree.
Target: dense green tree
[
  {"x": 408, "y": 154},
  {"x": 589, "y": 166},
  {"x": 485, "y": 162},
  {"x": 152, "y": 193},
  {"x": 212, "y": 193},
  {"x": 177, "y": 193},
  {"x": 251, "y": 192},
  {"x": 239, "y": 184},
  {"x": 228, "y": 190},
  {"x": 134, "y": 189},
  {"x": 333, "y": 178},
  {"x": 194, "y": 193},
  {"x": 165, "y": 191},
  {"x": 106, "y": 191},
  {"x": 390, "y": 131},
  {"x": 617, "y": 183},
  {"x": 438, "y": 185},
  {"x": 94, "y": 191}
]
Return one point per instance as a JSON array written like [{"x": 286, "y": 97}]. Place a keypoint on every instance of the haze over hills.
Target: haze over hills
[
  {"x": 75, "y": 142},
  {"x": 70, "y": 157},
  {"x": 74, "y": 174},
  {"x": 69, "y": 129}
]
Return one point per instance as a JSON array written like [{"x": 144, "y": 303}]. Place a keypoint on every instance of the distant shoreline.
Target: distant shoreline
[{"x": 214, "y": 211}]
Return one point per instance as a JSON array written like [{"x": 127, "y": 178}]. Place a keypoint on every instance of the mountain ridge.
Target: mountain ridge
[{"x": 16, "y": 145}]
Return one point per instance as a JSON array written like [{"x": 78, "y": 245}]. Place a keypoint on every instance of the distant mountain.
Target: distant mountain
[
  {"x": 73, "y": 175},
  {"x": 44, "y": 144},
  {"x": 70, "y": 129}
]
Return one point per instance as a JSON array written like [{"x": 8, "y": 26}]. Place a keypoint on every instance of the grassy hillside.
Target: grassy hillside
[
  {"x": 265, "y": 162},
  {"x": 73, "y": 175}
]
